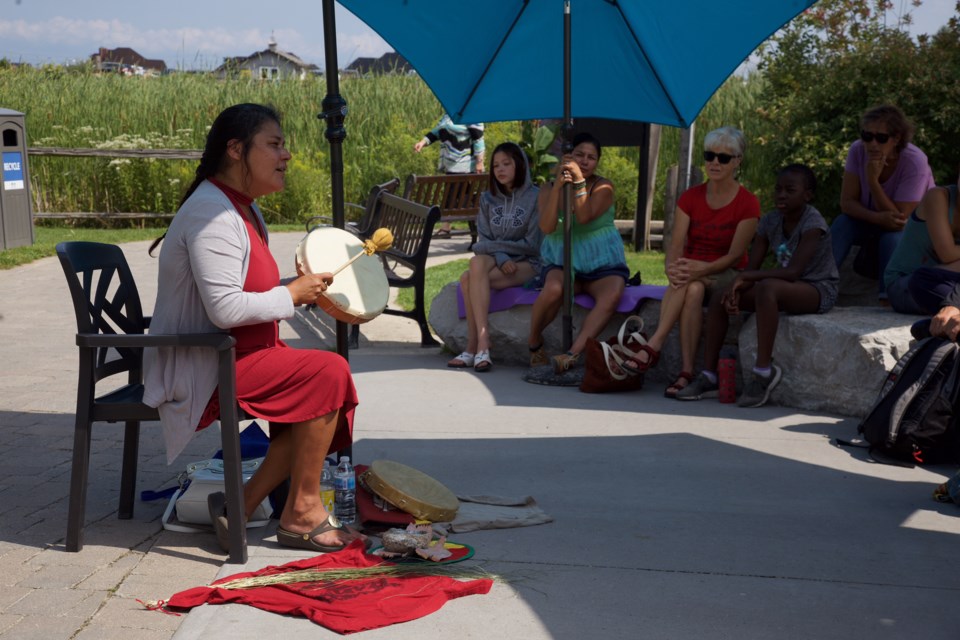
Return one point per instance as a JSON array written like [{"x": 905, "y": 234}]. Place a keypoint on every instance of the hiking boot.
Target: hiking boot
[
  {"x": 564, "y": 362},
  {"x": 758, "y": 388},
  {"x": 700, "y": 388},
  {"x": 539, "y": 357}
]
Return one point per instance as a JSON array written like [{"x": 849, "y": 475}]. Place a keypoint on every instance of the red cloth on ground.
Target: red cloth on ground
[
  {"x": 711, "y": 230},
  {"x": 347, "y": 606},
  {"x": 280, "y": 384}
]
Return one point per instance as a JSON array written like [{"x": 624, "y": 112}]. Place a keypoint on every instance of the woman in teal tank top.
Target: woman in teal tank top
[{"x": 599, "y": 263}]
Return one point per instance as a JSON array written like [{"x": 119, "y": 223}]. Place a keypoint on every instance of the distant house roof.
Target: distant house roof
[
  {"x": 126, "y": 55},
  {"x": 391, "y": 62},
  {"x": 238, "y": 61}
]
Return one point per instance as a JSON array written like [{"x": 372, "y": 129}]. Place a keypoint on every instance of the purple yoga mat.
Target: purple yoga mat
[{"x": 506, "y": 298}]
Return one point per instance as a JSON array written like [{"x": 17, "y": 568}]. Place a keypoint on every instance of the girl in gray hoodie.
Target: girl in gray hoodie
[{"x": 507, "y": 250}]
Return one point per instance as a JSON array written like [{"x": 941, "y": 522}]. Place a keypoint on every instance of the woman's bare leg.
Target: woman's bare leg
[
  {"x": 670, "y": 308},
  {"x": 606, "y": 294},
  {"x": 479, "y": 302},
  {"x": 718, "y": 322},
  {"x": 691, "y": 323},
  {"x": 494, "y": 278},
  {"x": 546, "y": 306},
  {"x": 466, "y": 291},
  {"x": 297, "y": 451}
]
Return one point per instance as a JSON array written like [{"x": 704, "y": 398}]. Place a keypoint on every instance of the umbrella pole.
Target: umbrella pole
[
  {"x": 567, "y": 316},
  {"x": 334, "y": 111}
]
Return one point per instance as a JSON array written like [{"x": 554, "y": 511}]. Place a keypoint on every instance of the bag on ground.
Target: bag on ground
[
  {"x": 603, "y": 370},
  {"x": 187, "y": 510},
  {"x": 914, "y": 418}
]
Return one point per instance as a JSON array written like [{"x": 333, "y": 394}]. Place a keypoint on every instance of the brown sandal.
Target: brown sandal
[
  {"x": 305, "y": 540},
  {"x": 635, "y": 367},
  {"x": 674, "y": 389}
]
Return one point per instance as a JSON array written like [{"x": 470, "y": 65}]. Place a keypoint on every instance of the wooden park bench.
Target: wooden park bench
[
  {"x": 457, "y": 195},
  {"x": 405, "y": 262},
  {"x": 362, "y": 225}
]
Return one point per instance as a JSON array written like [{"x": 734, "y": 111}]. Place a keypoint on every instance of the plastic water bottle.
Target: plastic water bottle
[
  {"x": 727, "y": 375},
  {"x": 327, "y": 489},
  {"x": 345, "y": 483}
]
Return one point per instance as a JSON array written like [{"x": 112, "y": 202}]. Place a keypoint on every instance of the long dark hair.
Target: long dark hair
[
  {"x": 513, "y": 150},
  {"x": 580, "y": 138},
  {"x": 239, "y": 123}
]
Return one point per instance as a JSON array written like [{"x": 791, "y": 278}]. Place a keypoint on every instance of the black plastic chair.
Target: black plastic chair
[{"x": 111, "y": 335}]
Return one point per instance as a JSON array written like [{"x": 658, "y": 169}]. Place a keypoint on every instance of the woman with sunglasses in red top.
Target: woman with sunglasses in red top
[
  {"x": 712, "y": 228},
  {"x": 884, "y": 179}
]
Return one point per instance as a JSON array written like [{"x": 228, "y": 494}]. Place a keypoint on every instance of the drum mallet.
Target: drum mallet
[{"x": 381, "y": 240}]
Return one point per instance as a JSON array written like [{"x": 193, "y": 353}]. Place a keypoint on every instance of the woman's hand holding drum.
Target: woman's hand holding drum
[{"x": 308, "y": 287}]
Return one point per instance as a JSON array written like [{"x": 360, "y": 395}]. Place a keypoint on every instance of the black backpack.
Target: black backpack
[{"x": 914, "y": 418}]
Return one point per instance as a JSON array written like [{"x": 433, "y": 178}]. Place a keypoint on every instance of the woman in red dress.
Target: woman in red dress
[{"x": 217, "y": 274}]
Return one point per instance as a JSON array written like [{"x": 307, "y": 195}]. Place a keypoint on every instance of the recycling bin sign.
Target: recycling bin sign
[{"x": 12, "y": 170}]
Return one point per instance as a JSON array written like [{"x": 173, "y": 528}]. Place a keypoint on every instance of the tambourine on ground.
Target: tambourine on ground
[
  {"x": 411, "y": 490},
  {"x": 360, "y": 292}
]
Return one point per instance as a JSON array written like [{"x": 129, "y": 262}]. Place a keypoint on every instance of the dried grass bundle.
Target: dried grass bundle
[{"x": 337, "y": 574}]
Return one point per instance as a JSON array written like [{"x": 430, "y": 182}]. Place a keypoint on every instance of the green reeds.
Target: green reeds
[{"x": 387, "y": 115}]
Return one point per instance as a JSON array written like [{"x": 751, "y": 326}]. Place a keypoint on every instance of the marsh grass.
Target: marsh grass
[{"x": 387, "y": 115}]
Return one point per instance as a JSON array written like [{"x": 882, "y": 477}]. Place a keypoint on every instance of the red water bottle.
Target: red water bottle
[{"x": 727, "y": 375}]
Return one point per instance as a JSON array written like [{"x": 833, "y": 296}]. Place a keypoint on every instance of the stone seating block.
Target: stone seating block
[
  {"x": 834, "y": 362},
  {"x": 509, "y": 329}
]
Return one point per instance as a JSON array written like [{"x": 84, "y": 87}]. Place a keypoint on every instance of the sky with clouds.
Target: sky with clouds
[
  {"x": 191, "y": 34},
  {"x": 187, "y": 34}
]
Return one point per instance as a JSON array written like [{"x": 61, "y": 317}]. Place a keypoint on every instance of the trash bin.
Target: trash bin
[{"x": 16, "y": 213}]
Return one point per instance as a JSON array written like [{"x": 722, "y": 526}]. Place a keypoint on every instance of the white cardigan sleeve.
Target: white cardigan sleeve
[{"x": 217, "y": 259}]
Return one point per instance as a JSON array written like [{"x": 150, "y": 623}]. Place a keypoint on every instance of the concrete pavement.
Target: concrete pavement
[{"x": 672, "y": 520}]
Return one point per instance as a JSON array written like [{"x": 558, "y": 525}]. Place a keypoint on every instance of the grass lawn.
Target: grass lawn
[{"x": 648, "y": 263}]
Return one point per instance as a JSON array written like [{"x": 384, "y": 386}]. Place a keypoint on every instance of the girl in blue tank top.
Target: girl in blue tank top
[{"x": 599, "y": 263}]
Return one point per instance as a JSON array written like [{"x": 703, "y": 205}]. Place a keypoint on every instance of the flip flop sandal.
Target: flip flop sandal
[
  {"x": 635, "y": 367},
  {"x": 442, "y": 233},
  {"x": 305, "y": 540},
  {"x": 463, "y": 361},
  {"x": 683, "y": 375},
  {"x": 483, "y": 362}
]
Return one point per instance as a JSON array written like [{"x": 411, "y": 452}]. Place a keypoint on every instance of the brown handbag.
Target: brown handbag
[{"x": 603, "y": 370}]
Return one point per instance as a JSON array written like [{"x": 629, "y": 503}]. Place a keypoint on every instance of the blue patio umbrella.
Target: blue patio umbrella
[{"x": 655, "y": 61}]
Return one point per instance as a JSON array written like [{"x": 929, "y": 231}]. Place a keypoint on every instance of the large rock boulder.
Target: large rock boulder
[
  {"x": 834, "y": 362},
  {"x": 509, "y": 330}
]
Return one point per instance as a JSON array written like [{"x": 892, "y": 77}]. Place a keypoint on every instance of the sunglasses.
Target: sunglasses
[
  {"x": 869, "y": 136},
  {"x": 722, "y": 158}
]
